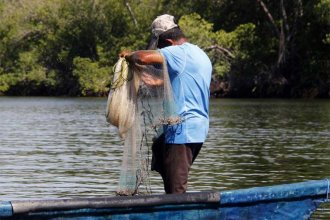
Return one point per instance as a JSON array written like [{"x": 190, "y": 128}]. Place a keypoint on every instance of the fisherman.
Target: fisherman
[{"x": 189, "y": 70}]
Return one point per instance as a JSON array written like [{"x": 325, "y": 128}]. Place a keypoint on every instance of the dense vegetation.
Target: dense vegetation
[{"x": 259, "y": 48}]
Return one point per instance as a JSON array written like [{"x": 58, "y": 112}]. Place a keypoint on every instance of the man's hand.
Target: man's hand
[
  {"x": 128, "y": 55},
  {"x": 125, "y": 54},
  {"x": 144, "y": 58}
]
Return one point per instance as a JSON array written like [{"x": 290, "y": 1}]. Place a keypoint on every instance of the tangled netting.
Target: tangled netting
[{"x": 139, "y": 111}]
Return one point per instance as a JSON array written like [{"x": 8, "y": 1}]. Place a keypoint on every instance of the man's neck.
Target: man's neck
[{"x": 180, "y": 41}]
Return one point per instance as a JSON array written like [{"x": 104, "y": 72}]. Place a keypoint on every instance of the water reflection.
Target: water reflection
[
  {"x": 265, "y": 142},
  {"x": 63, "y": 147}
]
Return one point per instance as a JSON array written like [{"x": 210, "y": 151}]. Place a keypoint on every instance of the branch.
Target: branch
[
  {"x": 269, "y": 15},
  {"x": 222, "y": 50},
  {"x": 281, "y": 46},
  {"x": 132, "y": 13},
  {"x": 282, "y": 39},
  {"x": 28, "y": 35},
  {"x": 285, "y": 17},
  {"x": 299, "y": 12}
]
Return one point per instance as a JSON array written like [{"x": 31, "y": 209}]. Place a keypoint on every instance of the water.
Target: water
[
  {"x": 63, "y": 147},
  {"x": 266, "y": 142}
]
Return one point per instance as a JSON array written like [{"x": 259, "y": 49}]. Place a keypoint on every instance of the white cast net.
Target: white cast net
[{"x": 139, "y": 111}]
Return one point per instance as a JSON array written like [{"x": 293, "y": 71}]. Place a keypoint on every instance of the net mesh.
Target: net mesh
[{"x": 139, "y": 110}]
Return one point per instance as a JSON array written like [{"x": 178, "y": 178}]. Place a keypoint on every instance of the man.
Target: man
[{"x": 190, "y": 71}]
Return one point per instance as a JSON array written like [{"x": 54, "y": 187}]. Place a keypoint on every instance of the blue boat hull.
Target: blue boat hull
[{"x": 288, "y": 201}]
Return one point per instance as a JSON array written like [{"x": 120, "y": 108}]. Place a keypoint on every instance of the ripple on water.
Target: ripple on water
[{"x": 63, "y": 148}]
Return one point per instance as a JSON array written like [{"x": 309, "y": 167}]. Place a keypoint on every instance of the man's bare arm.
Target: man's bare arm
[{"x": 143, "y": 57}]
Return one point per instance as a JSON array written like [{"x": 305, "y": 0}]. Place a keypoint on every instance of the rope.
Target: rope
[{"x": 123, "y": 74}]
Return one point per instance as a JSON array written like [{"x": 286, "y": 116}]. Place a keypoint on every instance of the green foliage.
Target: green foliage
[
  {"x": 6, "y": 81},
  {"x": 327, "y": 39},
  {"x": 314, "y": 77},
  {"x": 322, "y": 10},
  {"x": 192, "y": 25},
  {"x": 60, "y": 47},
  {"x": 244, "y": 40},
  {"x": 29, "y": 69},
  {"x": 224, "y": 48},
  {"x": 92, "y": 78}
]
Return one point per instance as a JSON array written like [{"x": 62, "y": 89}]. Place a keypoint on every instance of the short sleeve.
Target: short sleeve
[{"x": 175, "y": 59}]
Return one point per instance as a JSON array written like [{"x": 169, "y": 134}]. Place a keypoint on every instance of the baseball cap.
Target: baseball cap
[{"x": 160, "y": 25}]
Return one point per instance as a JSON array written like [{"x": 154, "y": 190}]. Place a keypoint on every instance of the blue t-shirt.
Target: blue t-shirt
[{"x": 190, "y": 72}]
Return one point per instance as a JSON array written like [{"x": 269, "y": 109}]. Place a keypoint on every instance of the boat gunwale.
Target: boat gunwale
[
  {"x": 317, "y": 190},
  {"x": 25, "y": 206}
]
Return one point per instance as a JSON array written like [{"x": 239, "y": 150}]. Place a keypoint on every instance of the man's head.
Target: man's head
[
  {"x": 165, "y": 32},
  {"x": 170, "y": 37}
]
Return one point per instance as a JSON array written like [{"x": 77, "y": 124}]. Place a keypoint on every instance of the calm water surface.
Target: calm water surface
[{"x": 63, "y": 147}]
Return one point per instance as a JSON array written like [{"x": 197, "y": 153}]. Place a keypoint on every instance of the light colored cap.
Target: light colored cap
[{"x": 162, "y": 23}]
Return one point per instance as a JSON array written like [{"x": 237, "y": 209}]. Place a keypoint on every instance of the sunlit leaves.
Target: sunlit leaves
[
  {"x": 92, "y": 78},
  {"x": 49, "y": 46}
]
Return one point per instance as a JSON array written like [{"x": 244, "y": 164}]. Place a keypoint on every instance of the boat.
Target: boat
[{"x": 278, "y": 202}]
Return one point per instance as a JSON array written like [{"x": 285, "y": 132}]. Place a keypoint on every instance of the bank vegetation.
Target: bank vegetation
[{"x": 259, "y": 48}]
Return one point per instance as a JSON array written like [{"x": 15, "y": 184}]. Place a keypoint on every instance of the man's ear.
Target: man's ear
[
  {"x": 170, "y": 41},
  {"x": 165, "y": 43}
]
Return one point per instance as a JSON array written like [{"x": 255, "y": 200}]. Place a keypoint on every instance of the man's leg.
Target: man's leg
[
  {"x": 178, "y": 159},
  {"x": 158, "y": 149},
  {"x": 158, "y": 156}
]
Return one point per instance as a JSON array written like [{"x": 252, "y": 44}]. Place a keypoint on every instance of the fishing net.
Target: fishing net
[{"x": 139, "y": 111}]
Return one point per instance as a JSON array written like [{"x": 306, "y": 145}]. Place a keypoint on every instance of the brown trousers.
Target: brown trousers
[{"x": 173, "y": 162}]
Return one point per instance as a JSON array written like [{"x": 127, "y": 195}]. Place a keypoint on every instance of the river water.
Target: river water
[{"x": 63, "y": 147}]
